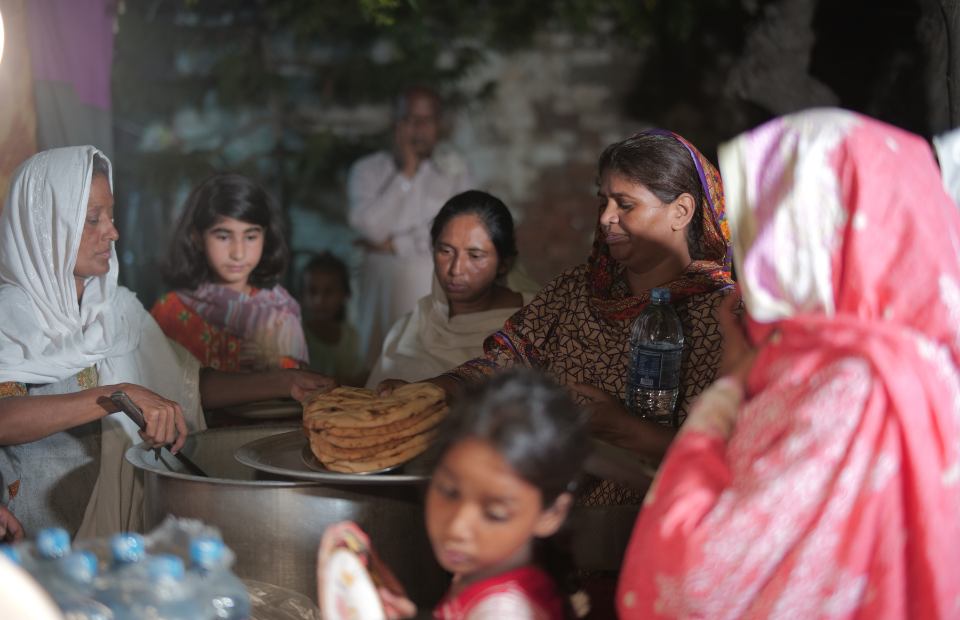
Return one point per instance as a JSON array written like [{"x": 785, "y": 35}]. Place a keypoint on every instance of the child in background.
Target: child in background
[
  {"x": 225, "y": 256},
  {"x": 333, "y": 343},
  {"x": 510, "y": 455}
]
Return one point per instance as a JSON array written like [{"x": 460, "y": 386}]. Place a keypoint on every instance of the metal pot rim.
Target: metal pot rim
[{"x": 135, "y": 456}]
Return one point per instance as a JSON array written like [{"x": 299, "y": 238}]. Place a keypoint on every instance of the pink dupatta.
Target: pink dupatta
[{"x": 837, "y": 494}]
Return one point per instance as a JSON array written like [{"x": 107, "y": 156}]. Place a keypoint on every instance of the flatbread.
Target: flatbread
[
  {"x": 330, "y": 426},
  {"x": 359, "y": 410},
  {"x": 423, "y": 425},
  {"x": 319, "y": 444},
  {"x": 326, "y": 453},
  {"x": 374, "y": 464}
]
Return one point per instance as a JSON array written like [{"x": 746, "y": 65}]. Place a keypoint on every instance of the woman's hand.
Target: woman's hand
[
  {"x": 611, "y": 422},
  {"x": 165, "y": 422},
  {"x": 303, "y": 383},
  {"x": 10, "y": 529},
  {"x": 594, "y": 393},
  {"x": 738, "y": 353},
  {"x": 607, "y": 413},
  {"x": 387, "y": 386}
]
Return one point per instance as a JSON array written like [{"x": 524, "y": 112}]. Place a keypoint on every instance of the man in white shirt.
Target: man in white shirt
[{"x": 394, "y": 197}]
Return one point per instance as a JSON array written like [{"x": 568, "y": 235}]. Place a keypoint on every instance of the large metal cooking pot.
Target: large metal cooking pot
[{"x": 274, "y": 524}]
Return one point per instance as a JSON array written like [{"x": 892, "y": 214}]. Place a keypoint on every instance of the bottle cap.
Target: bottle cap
[
  {"x": 81, "y": 566},
  {"x": 206, "y": 551},
  {"x": 660, "y": 295},
  {"x": 11, "y": 552},
  {"x": 127, "y": 547},
  {"x": 164, "y": 565},
  {"x": 53, "y": 542}
]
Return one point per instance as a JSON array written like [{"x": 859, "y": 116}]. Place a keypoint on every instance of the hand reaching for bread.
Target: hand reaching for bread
[{"x": 387, "y": 386}]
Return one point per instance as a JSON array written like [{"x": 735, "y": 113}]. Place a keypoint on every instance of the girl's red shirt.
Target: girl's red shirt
[{"x": 525, "y": 593}]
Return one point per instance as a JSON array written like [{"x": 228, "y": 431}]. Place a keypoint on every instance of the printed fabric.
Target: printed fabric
[
  {"x": 525, "y": 593},
  {"x": 836, "y": 495},
  {"x": 578, "y": 326},
  {"x": 235, "y": 332},
  {"x": 32, "y": 474}
]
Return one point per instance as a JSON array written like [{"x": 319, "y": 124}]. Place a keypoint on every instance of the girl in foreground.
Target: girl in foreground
[
  {"x": 509, "y": 458},
  {"x": 225, "y": 256},
  {"x": 820, "y": 476}
]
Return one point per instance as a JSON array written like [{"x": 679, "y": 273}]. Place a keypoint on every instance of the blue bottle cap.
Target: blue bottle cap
[
  {"x": 206, "y": 551},
  {"x": 164, "y": 565},
  {"x": 81, "y": 566},
  {"x": 658, "y": 295},
  {"x": 127, "y": 547},
  {"x": 53, "y": 542},
  {"x": 11, "y": 553}
]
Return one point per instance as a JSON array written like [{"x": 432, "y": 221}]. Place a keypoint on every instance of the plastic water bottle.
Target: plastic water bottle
[
  {"x": 11, "y": 553},
  {"x": 128, "y": 551},
  {"x": 167, "y": 595},
  {"x": 24, "y": 559},
  {"x": 119, "y": 585},
  {"x": 73, "y": 588},
  {"x": 653, "y": 373},
  {"x": 53, "y": 546},
  {"x": 218, "y": 588},
  {"x": 80, "y": 569}
]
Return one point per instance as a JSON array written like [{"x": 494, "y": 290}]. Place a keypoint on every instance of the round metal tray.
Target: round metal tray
[
  {"x": 267, "y": 409},
  {"x": 283, "y": 455}
]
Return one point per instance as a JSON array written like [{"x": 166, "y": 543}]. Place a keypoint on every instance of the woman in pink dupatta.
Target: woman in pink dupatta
[{"x": 831, "y": 491}]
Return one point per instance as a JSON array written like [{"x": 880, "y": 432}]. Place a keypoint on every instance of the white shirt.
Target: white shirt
[{"x": 386, "y": 204}]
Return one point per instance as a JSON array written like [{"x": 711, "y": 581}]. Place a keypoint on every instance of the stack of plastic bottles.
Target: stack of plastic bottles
[{"x": 135, "y": 584}]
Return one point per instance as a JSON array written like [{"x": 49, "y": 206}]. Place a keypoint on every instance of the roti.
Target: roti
[
  {"x": 374, "y": 464},
  {"x": 326, "y": 453},
  {"x": 386, "y": 429},
  {"x": 423, "y": 424},
  {"x": 353, "y": 410},
  {"x": 317, "y": 442}
]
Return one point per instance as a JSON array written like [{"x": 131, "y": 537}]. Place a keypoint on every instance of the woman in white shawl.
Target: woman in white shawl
[
  {"x": 477, "y": 285},
  {"x": 69, "y": 337}
]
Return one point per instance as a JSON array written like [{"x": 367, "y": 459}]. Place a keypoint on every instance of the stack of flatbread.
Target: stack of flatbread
[{"x": 356, "y": 431}]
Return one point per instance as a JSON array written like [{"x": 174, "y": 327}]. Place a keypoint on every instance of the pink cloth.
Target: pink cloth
[
  {"x": 837, "y": 494},
  {"x": 71, "y": 42}
]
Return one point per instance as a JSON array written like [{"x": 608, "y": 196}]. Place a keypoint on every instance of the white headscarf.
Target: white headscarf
[
  {"x": 46, "y": 336},
  {"x": 948, "y": 152}
]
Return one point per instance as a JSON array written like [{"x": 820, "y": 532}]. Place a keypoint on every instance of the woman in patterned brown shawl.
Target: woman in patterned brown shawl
[{"x": 661, "y": 224}]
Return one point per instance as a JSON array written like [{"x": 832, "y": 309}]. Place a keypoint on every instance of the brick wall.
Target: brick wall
[{"x": 536, "y": 144}]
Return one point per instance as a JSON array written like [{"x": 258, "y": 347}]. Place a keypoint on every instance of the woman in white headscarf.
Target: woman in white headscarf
[
  {"x": 477, "y": 285},
  {"x": 70, "y": 336}
]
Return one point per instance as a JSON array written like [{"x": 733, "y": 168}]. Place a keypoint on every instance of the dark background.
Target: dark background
[{"x": 291, "y": 92}]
